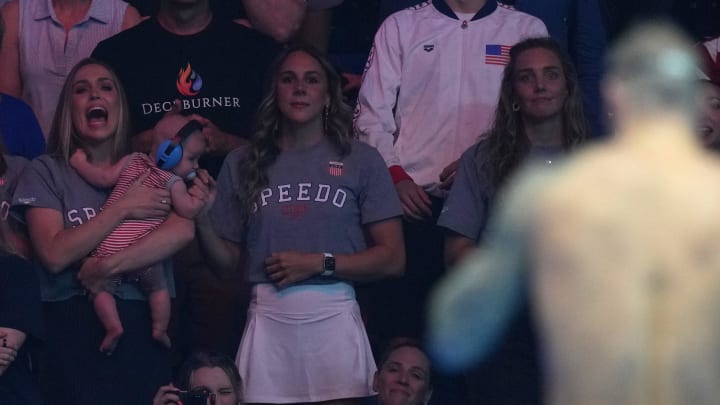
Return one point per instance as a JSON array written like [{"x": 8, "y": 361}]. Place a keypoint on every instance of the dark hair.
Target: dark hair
[
  {"x": 398, "y": 343},
  {"x": 506, "y": 144},
  {"x": 63, "y": 138},
  {"x": 202, "y": 359},
  {"x": 264, "y": 149}
]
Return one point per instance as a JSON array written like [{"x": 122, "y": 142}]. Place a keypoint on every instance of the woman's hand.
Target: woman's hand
[
  {"x": 141, "y": 202},
  {"x": 166, "y": 395},
  {"x": 447, "y": 176},
  {"x": 415, "y": 202},
  {"x": 93, "y": 275},
  {"x": 7, "y": 353},
  {"x": 204, "y": 189},
  {"x": 285, "y": 268}
]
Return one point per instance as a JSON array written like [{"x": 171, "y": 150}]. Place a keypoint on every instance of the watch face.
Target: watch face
[{"x": 329, "y": 264}]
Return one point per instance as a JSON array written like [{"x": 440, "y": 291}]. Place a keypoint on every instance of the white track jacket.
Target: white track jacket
[{"x": 431, "y": 83}]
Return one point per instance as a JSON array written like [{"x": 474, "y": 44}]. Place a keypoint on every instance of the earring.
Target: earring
[
  {"x": 515, "y": 107},
  {"x": 326, "y": 112}
]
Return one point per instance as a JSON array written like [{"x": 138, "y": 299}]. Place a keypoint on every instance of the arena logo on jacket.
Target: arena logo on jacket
[{"x": 189, "y": 83}]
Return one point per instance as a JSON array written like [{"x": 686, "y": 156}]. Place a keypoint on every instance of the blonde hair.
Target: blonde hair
[{"x": 63, "y": 138}]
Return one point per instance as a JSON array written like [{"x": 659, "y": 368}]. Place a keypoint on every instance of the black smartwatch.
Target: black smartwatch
[{"x": 328, "y": 265}]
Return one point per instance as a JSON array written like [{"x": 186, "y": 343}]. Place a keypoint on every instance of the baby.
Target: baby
[{"x": 178, "y": 143}]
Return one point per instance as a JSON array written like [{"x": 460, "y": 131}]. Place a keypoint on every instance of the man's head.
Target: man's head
[{"x": 652, "y": 73}]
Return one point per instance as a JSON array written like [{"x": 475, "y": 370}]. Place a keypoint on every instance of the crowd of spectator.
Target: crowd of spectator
[{"x": 183, "y": 182}]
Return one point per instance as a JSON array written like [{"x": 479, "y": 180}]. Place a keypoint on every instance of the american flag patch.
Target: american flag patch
[
  {"x": 335, "y": 168},
  {"x": 497, "y": 54}
]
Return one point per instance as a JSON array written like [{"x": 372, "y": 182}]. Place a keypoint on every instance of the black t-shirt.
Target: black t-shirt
[
  {"x": 20, "y": 309},
  {"x": 218, "y": 73},
  {"x": 229, "y": 9}
]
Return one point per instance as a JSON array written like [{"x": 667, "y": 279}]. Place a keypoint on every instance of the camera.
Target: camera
[{"x": 196, "y": 397}]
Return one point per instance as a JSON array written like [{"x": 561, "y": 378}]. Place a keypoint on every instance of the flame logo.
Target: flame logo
[{"x": 189, "y": 82}]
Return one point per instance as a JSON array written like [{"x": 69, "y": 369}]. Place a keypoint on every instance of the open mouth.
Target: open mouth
[{"x": 97, "y": 116}]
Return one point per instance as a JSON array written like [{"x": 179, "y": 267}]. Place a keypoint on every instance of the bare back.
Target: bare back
[{"x": 627, "y": 277}]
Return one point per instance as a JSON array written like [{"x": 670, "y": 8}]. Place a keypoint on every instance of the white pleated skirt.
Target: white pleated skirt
[{"x": 304, "y": 343}]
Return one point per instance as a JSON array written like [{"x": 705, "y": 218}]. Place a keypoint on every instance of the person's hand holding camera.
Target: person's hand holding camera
[{"x": 167, "y": 394}]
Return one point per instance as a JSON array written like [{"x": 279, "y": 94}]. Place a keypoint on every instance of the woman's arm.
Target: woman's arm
[
  {"x": 57, "y": 247},
  {"x": 18, "y": 241},
  {"x": 10, "y": 80},
  {"x": 457, "y": 246},
  {"x": 224, "y": 257},
  {"x": 384, "y": 258},
  {"x": 158, "y": 245}
]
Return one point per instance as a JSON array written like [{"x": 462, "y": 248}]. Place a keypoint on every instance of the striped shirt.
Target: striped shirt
[{"x": 132, "y": 230}]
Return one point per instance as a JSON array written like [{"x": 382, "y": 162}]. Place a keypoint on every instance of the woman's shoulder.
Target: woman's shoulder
[
  {"x": 49, "y": 162},
  {"x": 477, "y": 152},
  {"x": 16, "y": 162},
  {"x": 238, "y": 154},
  {"x": 235, "y": 161}
]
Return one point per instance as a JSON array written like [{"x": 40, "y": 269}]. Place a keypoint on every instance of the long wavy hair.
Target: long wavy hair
[
  {"x": 63, "y": 138},
  {"x": 506, "y": 144},
  {"x": 264, "y": 146}
]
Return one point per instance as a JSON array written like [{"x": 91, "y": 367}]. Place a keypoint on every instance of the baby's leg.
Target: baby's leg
[
  {"x": 106, "y": 310},
  {"x": 159, "y": 301},
  {"x": 153, "y": 282}
]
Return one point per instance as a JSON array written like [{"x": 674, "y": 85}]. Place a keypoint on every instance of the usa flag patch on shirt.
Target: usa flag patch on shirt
[
  {"x": 497, "y": 54},
  {"x": 335, "y": 168}
]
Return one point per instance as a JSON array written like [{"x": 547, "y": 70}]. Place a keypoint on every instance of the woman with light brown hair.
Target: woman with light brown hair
[
  {"x": 65, "y": 224},
  {"x": 306, "y": 211}
]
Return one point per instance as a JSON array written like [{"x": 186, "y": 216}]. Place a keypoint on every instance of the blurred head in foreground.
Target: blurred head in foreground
[{"x": 652, "y": 73}]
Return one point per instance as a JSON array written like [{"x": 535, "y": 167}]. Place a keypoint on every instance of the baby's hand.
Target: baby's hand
[{"x": 78, "y": 158}]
